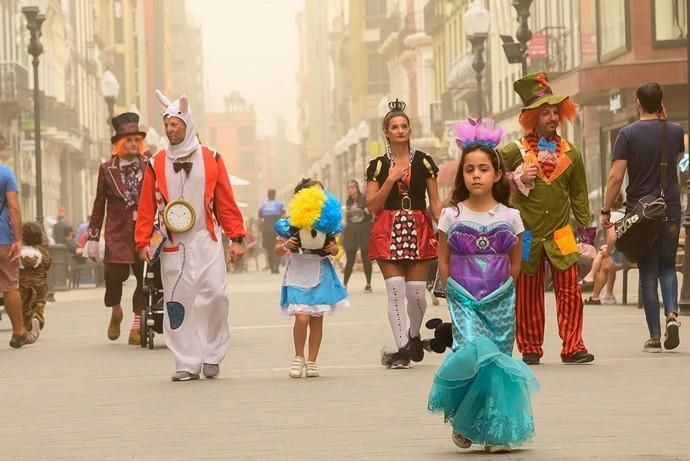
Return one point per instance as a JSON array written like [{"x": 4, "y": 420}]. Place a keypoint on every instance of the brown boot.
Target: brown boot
[
  {"x": 114, "y": 326},
  {"x": 134, "y": 337}
]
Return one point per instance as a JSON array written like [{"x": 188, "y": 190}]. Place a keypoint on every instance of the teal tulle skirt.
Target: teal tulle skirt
[{"x": 483, "y": 392}]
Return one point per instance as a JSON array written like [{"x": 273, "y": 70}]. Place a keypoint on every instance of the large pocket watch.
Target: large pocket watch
[{"x": 179, "y": 215}]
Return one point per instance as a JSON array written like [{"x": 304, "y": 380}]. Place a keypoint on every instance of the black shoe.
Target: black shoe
[
  {"x": 578, "y": 358},
  {"x": 415, "y": 348},
  {"x": 399, "y": 359},
  {"x": 671, "y": 337},
  {"x": 531, "y": 359},
  {"x": 367, "y": 289},
  {"x": 593, "y": 302},
  {"x": 652, "y": 345}
]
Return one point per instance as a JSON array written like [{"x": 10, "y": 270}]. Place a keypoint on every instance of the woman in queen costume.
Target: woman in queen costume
[
  {"x": 311, "y": 286},
  {"x": 479, "y": 387}
]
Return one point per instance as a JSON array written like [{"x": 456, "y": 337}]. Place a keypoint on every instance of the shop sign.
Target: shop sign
[{"x": 538, "y": 46}]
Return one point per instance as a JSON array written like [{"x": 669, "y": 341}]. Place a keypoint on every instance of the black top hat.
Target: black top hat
[{"x": 125, "y": 125}]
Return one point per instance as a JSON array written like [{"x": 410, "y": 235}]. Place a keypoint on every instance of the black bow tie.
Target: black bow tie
[{"x": 186, "y": 166}]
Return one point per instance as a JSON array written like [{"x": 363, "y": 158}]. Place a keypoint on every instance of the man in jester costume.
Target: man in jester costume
[
  {"x": 188, "y": 189},
  {"x": 549, "y": 178}
]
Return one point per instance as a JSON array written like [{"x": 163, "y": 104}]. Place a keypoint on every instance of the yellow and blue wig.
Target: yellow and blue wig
[{"x": 312, "y": 208}]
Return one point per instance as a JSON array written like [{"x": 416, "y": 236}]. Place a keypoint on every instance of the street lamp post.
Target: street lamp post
[
  {"x": 110, "y": 88},
  {"x": 363, "y": 132},
  {"x": 34, "y": 21},
  {"x": 340, "y": 164},
  {"x": 352, "y": 140},
  {"x": 477, "y": 22},
  {"x": 523, "y": 34}
]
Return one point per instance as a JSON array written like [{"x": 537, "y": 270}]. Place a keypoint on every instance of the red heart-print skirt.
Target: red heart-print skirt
[{"x": 402, "y": 235}]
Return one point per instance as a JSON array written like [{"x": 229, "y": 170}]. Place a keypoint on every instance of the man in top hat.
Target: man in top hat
[
  {"x": 117, "y": 196},
  {"x": 549, "y": 180}
]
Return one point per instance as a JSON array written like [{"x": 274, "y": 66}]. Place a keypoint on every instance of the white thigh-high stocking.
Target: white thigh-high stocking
[
  {"x": 395, "y": 286},
  {"x": 416, "y": 304}
]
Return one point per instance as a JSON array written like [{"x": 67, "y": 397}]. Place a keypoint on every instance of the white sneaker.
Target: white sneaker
[
  {"x": 296, "y": 367},
  {"x": 312, "y": 370},
  {"x": 608, "y": 300}
]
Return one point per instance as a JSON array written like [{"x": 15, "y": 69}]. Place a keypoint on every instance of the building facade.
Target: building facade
[
  {"x": 595, "y": 51},
  {"x": 233, "y": 133}
]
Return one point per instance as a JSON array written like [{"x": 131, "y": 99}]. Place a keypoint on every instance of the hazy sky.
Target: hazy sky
[{"x": 251, "y": 46}]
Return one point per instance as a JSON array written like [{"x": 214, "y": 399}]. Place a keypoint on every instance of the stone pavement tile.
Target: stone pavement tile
[{"x": 77, "y": 396}]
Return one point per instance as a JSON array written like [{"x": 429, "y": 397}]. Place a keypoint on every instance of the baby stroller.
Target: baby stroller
[{"x": 152, "y": 315}]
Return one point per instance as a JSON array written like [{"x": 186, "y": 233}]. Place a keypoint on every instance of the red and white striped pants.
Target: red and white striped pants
[{"x": 529, "y": 310}]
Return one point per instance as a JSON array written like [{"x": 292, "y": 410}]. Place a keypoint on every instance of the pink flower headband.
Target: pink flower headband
[{"x": 482, "y": 131}]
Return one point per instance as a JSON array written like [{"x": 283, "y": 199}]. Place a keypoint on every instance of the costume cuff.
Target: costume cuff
[{"x": 522, "y": 187}]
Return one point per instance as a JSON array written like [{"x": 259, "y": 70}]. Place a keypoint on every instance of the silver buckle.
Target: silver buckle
[{"x": 406, "y": 203}]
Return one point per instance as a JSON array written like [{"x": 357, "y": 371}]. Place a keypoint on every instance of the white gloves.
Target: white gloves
[{"x": 92, "y": 250}]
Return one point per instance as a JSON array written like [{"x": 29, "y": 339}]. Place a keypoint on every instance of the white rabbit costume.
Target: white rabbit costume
[{"x": 193, "y": 267}]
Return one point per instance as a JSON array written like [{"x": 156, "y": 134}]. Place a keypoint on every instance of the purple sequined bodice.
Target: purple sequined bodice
[{"x": 479, "y": 258}]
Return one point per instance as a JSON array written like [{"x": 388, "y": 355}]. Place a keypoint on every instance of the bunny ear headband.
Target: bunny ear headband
[{"x": 482, "y": 131}]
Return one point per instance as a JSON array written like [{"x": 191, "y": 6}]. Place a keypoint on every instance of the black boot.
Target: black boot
[{"x": 415, "y": 348}]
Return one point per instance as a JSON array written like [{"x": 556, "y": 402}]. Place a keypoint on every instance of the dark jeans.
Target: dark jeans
[
  {"x": 115, "y": 276},
  {"x": 660, "y": 265}
]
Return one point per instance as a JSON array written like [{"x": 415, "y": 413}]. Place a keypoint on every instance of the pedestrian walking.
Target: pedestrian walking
[
  {"x": 356, "y": 233},
  {"x": 10, "y": 252},
  {"x": 639, "y": 150},
  {"x": 33, "y": 275},
  {"x": 479, "y": 387},
  {"x": 116, "y": 203},
  {"x": 270, "y": 211},
  {"x": 549, "y": 175},
  {"x": 311, "y": 287},
  {"x": 59, "y": 227},
  {"x": 402, "y": 239},
  {"x": 188, "y": 187}
]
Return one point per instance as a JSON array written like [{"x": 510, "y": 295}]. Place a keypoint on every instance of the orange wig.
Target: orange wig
[
  {"x": 119, "y": 146},
  {"x": 566, "y": 111}
]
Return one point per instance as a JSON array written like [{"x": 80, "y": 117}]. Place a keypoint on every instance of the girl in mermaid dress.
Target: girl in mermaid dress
[{"x": 479, "y": 387}]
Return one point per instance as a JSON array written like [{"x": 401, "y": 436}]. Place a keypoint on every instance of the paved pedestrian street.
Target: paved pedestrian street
[{"x": 75, "y": 395}]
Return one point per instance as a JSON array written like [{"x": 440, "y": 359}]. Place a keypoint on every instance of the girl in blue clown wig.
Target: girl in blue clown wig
[{"x": 311, "y": 286}]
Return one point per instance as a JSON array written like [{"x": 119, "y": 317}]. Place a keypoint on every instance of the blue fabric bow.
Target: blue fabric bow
[{"x": 544, "y": 144}]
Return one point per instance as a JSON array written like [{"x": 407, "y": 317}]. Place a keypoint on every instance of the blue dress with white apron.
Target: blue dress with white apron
[{"x": 311, "y": 286}]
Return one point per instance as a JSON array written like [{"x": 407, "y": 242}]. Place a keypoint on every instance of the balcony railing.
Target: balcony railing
[
  {"x": 14, "y": 87},
  {"x": 59, "y": 115}
]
